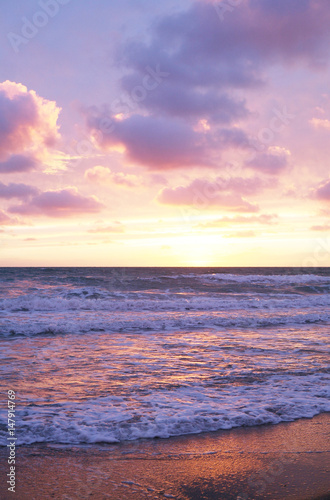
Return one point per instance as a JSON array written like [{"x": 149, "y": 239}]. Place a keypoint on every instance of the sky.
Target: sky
[{"x": 168, "y": 133}]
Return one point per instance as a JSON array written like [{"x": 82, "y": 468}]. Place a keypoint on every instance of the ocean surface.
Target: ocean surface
[{"x": 114, "y": 354}]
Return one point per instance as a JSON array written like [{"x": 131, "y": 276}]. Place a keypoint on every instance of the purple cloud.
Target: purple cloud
[
  {"x": 60, "y": 203},
  {"x": 157, "y": 143},
  {"x": 18, "y": 163},
  {"x": 198, "y": 50},
  {"x": 172, "y": 99},
  {"x": 13, "y": 190},
  {"x": 270, "y": 163}
]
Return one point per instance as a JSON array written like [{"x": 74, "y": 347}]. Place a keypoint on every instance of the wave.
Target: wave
[
  {"x": 143, "y": 321},
  {"x": 173, "y": 412}
]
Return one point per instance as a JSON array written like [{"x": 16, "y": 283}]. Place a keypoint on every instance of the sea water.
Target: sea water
[{"x": 113, "y": 354}]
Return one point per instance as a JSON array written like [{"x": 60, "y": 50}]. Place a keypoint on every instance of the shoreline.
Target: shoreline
[{"x": 282, "y": 461}]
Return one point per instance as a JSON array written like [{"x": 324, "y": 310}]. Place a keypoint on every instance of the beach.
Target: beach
[{"x": 286, "y": 461}]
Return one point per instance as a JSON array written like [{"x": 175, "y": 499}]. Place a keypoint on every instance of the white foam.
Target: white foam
[{"x": 174, "y": 412}]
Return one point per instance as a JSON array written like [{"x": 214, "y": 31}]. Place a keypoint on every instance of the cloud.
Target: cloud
[
  {"x": 28, "y": 123},
  {"x": 187, "y": 72},
  {"x": 5, "y": 220},
  {"x": 162, "y": 143},
  {"x": 241, "y": 234},
  {"x": 320, "y": 123},
  {"x": 18, "y": 163},
  {"x": 322, "y": 192},
  {"x": 199, "y": 51},
  {"x": 266, "y": 219},
  {"x": 13, "y": 190},
  {"x": 117, "y": 227},
  {"x": 242, "y": 185},
  {"x": 154, "y": 142},
  {"x": 178, "y": 100},
  {"x": 273, "y": 162},
  {"x": 324, "y": 227},
  {"x": 202, "y": 193},
  {"x": 59, "y": 203},
  {"x": 101, "y": 175}
]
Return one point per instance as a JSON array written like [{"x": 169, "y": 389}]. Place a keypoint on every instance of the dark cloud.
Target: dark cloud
[
  {"x": 188, "y": 70},
  {"x": 198, "y": 50},
  {"x": 172, "y": 99},
  {"x": 60, "y": 203},
  {"x": 13, "y": 190},
  {"x": 18, "y": 163},
  {"x": 162, "y": 142},
  {"x": 282, "y": 7},
  {"x": 157, "y": 143}
]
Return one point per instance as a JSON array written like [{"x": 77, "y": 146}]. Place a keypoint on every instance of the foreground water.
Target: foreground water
[{"x": 108, "y": 354}]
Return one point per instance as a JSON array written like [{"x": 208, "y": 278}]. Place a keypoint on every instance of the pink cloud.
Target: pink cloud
[
  {"x": 253, "y": 219},
  {"x": 324, "y": 227},
  {"x": 323, "y": 191},
  {"x": 273, "y": 162},
  {"x": 117, "y": 227},
  {"x": 59, "y": 203},
  {"x": 154, "y": 142},
  {"x": 28, "y": 126},
  {"x": 101, "y": 175},
  {"x": 320, "y": 123},
  {"x": 5, "y": 220},
  {"x": 202, "y": 193}
]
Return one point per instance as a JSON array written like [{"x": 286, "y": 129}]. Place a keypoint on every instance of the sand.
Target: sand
[{"x": 286, "y": 461}]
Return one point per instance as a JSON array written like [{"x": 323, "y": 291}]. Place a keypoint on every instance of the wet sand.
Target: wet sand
[{"x": 286, "y": 461}]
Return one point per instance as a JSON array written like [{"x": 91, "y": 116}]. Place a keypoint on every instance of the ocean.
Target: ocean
[{"x": 108, "y": 355}]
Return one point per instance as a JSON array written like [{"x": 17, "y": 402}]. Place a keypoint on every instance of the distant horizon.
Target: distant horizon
[{"x": 163, "y": 267}]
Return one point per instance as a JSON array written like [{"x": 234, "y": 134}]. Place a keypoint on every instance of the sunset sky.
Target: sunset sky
[{"x": 165, "y": 133}]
